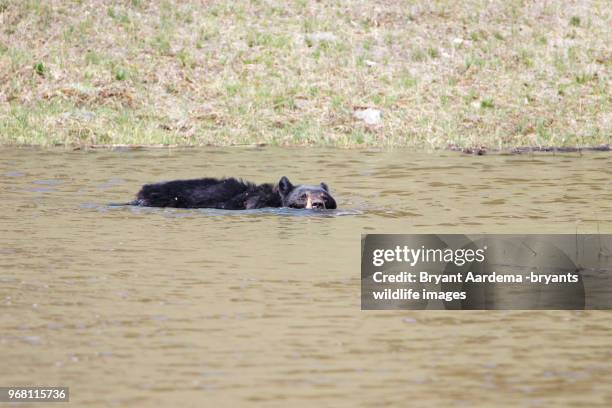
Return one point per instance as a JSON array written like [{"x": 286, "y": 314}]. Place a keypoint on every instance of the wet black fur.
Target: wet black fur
[{"x": 227, "y": 194}]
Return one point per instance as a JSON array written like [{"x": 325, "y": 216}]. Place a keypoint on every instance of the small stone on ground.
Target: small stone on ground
[{"x": 370, "y": 116}]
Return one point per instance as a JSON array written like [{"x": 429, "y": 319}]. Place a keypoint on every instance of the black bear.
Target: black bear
[{"x": 233, "y": 194}]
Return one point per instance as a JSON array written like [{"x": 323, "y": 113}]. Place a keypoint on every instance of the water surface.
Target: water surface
[{"x": 153, "y": 307}]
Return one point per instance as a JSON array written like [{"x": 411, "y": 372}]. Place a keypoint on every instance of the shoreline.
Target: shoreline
[{"x": 474, "y": 151}]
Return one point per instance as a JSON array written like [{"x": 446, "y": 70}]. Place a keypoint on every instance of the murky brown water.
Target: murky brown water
[{"x": 136, "y": 307}]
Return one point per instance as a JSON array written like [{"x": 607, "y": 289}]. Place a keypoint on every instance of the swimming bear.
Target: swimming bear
[{"x": 233, "y": 194}]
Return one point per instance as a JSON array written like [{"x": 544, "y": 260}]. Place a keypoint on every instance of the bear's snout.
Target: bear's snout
[
  {"x": 318, "y": 204},
  {"x": 315, "y": 202}
]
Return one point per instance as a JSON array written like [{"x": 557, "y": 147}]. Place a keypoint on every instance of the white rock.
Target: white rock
[
  {"x": 369, "y": 116},
  {"x": 301, "y": 103},
  {"x": 322, "y": 36}
]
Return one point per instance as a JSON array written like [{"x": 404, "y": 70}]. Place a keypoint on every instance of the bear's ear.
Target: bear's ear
[
  {"x": 284, "y": 186},
  {"x": 324, "y": 187}
]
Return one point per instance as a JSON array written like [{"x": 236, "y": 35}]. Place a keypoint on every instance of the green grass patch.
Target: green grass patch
[{"x": 490, "y": 73}]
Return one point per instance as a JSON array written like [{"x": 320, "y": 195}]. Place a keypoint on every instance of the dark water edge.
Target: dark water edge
[{"x": 472, "y": 150}]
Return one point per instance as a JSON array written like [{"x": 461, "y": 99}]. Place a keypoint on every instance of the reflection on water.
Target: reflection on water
[
  {"x": 174, "y": 212},
  {"x": 157, "y": 307}
]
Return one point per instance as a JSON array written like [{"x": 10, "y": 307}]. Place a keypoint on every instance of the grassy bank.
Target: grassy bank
[{"x": 493, "y": 73}]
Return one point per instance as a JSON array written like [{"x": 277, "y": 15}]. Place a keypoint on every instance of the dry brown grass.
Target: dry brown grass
[{"x": 494, "y": 73}]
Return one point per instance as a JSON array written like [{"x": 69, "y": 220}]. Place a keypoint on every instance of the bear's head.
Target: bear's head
[{"x": 317, "y": 197}]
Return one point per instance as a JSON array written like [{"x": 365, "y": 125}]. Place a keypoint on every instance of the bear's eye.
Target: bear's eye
[{"x": 303, "y": 196}]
